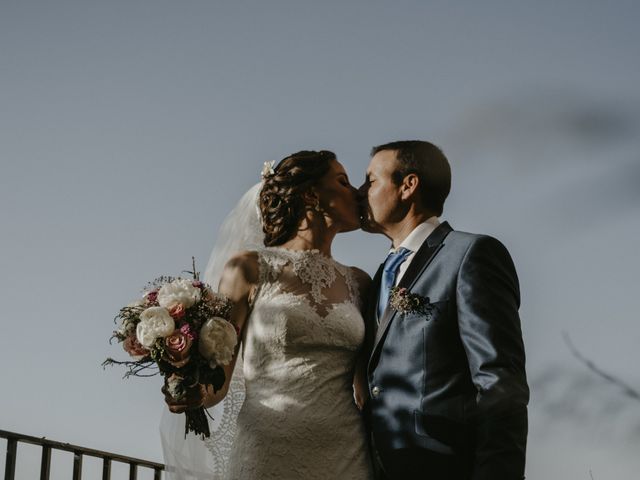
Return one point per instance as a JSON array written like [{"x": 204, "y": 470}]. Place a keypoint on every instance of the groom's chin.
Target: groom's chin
[{"x": 367, "y": 226}]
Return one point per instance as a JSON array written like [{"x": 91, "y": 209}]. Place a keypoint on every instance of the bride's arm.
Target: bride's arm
[
  {"x": 238, "y": 282},
  {"x": 360, "y": 384}
]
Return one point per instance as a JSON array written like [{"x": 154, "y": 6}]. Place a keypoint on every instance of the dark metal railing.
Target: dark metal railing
[{"x": 78, "y": 454}]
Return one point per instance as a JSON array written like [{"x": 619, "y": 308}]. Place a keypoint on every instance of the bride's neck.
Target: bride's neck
[{"x": 312, "y": 235}]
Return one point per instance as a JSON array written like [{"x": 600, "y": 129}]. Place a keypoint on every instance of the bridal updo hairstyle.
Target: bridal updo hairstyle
[{"x": 282, "y": 203}]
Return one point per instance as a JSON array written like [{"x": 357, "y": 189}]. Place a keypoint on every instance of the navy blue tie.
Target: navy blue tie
[{"x": 389, "y": 273}]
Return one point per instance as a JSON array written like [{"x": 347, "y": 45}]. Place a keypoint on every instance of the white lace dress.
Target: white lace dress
[{"x": 298, "y": 419}]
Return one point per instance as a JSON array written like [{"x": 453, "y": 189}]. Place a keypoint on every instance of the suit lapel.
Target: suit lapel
[
  {"x": 417, "y": 267},
  {"x": 375, "y": 290},
  {"x": 424, "y": 255}
]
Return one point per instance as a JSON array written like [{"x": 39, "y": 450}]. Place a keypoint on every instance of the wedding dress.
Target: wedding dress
[
  {"x": 289, "y": 413},
  {"x": 298, "y": 419}
]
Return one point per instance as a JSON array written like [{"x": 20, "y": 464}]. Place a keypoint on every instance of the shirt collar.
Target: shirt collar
[{"x": 419, "y": 234}]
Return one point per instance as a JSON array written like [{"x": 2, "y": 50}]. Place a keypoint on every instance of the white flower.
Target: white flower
[
  {"x": 179, "y": 291},
  {"x": 218, "y": 341},
  {"x": 155, "y": 322},
  {"x": 267, "y": 169}
]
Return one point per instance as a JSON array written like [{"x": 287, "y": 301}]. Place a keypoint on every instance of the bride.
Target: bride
[{"x": 298, "y": 381}]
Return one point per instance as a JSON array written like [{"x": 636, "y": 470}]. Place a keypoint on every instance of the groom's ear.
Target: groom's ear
[{"x": 409, "y": 186}]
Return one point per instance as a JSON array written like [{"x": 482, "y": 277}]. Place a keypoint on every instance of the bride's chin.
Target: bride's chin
[
  {"x": 368, "y": 225},
  {"x": 350, "y": 226},
  {"x": 350, "y": 229}
]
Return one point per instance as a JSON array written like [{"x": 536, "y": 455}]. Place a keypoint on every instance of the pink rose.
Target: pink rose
[
  {"x": 177, "y": 311},
  {"x": 133, "y": 347},
  {"x": 176, "y": 349},
  {"x": 151, "y": 296},
  {"x": 188, "y": 331}
]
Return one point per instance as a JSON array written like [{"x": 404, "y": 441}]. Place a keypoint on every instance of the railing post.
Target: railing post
[
  {"x": 77, "y": 466},
  {"x": 106, "y": 469},
  {"x": 48, "y": 446},
  {"x": 45, "y": 464},
  {"x": 133, "y": 471},
  {"x": 10, "y": 463}
]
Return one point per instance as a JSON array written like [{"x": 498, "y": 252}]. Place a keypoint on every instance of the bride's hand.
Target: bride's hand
[
  {"x": 360, "y": 398},
  {"x": 193, "y": 399},
  {"x": 360, "y": 385}
]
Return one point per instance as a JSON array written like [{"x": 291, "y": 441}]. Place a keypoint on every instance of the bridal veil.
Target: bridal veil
[{"x": 193, "y": 458}]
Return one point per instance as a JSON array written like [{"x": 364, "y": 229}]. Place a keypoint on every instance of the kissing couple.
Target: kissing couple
[{"x": 418, "y": 373}]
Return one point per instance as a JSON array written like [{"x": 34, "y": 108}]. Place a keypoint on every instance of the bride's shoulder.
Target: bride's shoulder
[{"x": 242, "y": 267}]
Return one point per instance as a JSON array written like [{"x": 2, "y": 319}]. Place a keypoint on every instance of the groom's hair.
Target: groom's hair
[{"x": 426, "y": 161}]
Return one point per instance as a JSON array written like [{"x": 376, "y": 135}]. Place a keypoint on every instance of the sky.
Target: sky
[{"x": 128, "y": 129}]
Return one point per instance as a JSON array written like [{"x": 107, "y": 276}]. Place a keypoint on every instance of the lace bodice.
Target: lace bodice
[
  {"x": 298, "y": 418},
  {"x": 307, "y": 273}
]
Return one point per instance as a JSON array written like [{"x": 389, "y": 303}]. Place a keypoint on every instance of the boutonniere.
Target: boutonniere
[{"x": 405, "y": 302}]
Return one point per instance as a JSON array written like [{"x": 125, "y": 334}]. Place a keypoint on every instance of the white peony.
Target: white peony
[
  {"x": 218, "y": 341},
  {"x": 179, "y": 291},
  {"x": 155, "y": 322}
]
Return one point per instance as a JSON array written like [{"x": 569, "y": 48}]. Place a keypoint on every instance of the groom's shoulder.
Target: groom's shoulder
[
  {"x": 462, "y": 237},
  {"x": 477, "y": 241}
]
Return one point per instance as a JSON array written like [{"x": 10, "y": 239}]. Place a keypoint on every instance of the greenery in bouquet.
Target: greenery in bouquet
[{"x": 178, "y": 329}]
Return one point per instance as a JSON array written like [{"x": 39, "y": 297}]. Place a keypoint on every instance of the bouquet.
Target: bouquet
[{"x": 179, "y": 329}]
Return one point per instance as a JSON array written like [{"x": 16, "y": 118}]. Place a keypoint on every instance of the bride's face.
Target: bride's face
[{"x": 338, "y": 198}]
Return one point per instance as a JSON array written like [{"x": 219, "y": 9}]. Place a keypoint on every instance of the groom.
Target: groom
[{"x": 447, "y": 383}]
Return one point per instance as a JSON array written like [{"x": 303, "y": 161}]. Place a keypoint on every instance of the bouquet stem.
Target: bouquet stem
[{"x": 196, "y": 422}]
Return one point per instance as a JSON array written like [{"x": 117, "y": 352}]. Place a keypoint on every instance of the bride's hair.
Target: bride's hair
[{"x": 282, "y": 204}]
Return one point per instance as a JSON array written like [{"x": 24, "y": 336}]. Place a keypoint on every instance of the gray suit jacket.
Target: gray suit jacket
[{"x": 453, "y": 382}]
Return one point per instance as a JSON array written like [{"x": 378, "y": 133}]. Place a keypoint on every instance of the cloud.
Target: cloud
[
  {"x": 579, "y": 400},
  {"x": 545, "y": 126}
]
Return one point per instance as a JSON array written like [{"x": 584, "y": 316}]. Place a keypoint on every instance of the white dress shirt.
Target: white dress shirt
[{"x": 414, "y": 241}]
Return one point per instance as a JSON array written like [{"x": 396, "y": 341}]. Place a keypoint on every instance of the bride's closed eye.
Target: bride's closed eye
[{"x": 344, "y": 181}]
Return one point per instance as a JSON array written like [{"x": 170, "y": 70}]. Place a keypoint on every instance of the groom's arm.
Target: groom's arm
[{"x": 488, "y": 299}]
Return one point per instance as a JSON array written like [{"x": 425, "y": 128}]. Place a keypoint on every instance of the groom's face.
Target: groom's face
[{"x": 380, "y": 196}]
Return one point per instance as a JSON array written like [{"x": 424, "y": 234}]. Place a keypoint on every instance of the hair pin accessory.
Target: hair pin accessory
[{"x": 267, "y": 169}]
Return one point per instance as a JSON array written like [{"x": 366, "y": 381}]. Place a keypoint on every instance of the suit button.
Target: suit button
[{"x": 375, "y": 391}]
